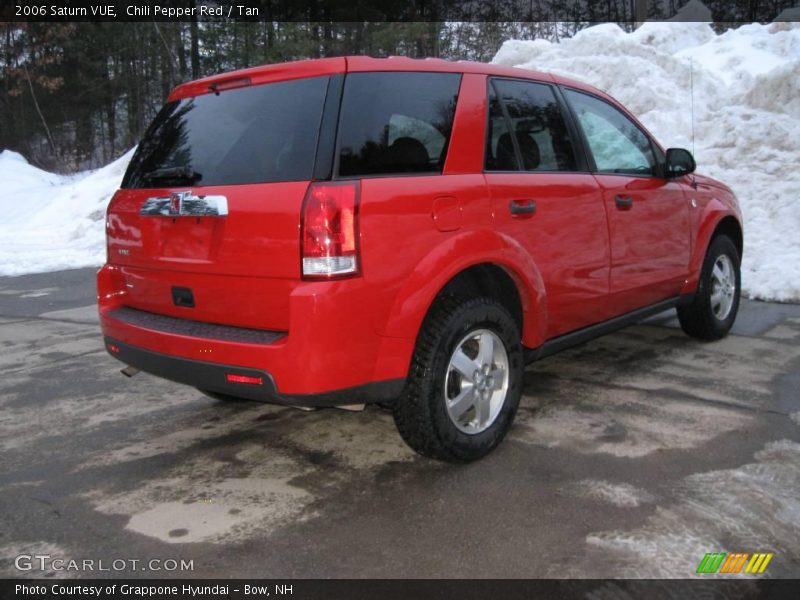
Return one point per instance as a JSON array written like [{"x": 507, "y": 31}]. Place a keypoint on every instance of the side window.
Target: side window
[
  {"x": 499, "y": 157},
  {"x": 617, "y": 144},
  {"x": 539, "y": 131},
  {"x": 396, "y": 122}
]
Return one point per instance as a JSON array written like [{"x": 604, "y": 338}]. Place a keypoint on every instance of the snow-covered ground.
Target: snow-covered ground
[
  {"x": 746, "y": 117},
  {"x": 50, "y": 222},
  {"x": 747, "y": 133}
]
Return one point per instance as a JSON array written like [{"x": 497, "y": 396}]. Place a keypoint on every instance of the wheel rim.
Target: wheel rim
[
  {"x": 476, "y": 383},
  {"x": 723, "y": 287}
]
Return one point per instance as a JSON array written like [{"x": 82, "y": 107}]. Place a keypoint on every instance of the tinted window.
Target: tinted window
[
  {"x": 539, "y": 131},
  {"x": 396, "y": 122},
  {"x": 253, "y": 134},
  {"x": 499, "y": 157},
  {"x": 617, "y": 144}
]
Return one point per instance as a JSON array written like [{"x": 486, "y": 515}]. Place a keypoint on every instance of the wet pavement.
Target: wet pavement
[{"x": 632, "y": 456}]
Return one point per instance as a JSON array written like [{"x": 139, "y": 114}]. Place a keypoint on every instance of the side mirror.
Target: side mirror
[{"x": 679, "y": 162}]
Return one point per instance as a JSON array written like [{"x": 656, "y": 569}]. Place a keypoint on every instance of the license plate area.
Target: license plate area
[{"x": 188, "y": 238}]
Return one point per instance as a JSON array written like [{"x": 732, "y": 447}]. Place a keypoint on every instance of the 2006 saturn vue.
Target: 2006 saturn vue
[{"x": 408, "y": 232}]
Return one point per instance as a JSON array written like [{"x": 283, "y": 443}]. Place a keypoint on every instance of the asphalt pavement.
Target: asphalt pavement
[{"x": 632, "y": 456}]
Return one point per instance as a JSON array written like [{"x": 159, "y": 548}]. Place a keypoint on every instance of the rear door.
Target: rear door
[
  {"x": 544, "y": 198},
  {"x": 648, "y": 216},
  {"x": 212, "y": 198}
]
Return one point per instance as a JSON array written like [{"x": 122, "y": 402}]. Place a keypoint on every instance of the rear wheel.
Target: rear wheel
[
  {"x": 711, "y": 314},
  {"x": 465, "y": 381}
]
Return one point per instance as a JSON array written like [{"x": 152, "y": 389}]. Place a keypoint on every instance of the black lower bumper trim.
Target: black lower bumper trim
[
  {"x": 203, "y": 375},
  {"x": 213, "y": 377},
  {"x": 378, "y": 392}
]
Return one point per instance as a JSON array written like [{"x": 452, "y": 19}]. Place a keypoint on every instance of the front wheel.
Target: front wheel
[
  {"x": 711, "y": 314},
  {"x": 465, "y": 381}
]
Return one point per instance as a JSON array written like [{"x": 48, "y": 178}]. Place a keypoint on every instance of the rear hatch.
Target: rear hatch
[{"x": 207, "y": 223}]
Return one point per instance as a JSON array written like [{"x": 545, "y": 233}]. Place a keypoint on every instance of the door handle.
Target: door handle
[
  {"x": 522, "y": 207},
  {"x": 623, "y": 203}
]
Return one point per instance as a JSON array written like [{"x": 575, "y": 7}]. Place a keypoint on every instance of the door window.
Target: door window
[
  {"x": 616, "y": 143},
  {"x": 535, "y": 134}
]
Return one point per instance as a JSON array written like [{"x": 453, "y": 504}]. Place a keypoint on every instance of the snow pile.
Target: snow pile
[
  {"x": 747, "y": 134},
  {"x": 747, "y": 117},
  {"x": 50, "y": 222}
]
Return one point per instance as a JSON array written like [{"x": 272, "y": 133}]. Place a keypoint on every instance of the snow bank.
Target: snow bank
[
  {"x": 50, "y": 222},
  {"x": 747, "y": 133},
  {"x": 747, "y": 117}
]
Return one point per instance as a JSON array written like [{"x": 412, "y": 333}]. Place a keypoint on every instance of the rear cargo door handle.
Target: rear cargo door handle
[
  {"x": 523, "y": 208},
  {"x": 185, "y": 204},
  {"x": 623, "y": 203},
  {"x": 183, "y": 297}
]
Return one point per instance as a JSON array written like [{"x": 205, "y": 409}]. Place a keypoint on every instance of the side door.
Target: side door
[
  {"x": 544, "y": 197},
  {"x": 648, "y": 215}
]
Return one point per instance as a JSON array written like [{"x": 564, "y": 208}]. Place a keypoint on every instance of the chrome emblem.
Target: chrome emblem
[
  {"x": 185, "y": 204},
  {"x": 176, "y": 202}
]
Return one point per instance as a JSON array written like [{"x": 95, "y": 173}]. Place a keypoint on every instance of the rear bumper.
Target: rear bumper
[
  {"x": 214, "y": 377},
  {"x": 331, "y": 355}
]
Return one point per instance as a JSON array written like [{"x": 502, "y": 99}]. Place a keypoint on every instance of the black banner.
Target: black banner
[
  {"x": 388, "y": 10},
  {"x": 355, "y": 589}
]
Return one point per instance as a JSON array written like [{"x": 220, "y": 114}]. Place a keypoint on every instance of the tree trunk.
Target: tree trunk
[
  {"x": 39, "y": 110},
  {"x": 195, "y": 46},
  {"x": 640, "y": 11},
  {"x": 180, "y": 51}
]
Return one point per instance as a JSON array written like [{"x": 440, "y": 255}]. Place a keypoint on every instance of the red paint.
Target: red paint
[
  {"x": 446, "y": 213},
  {"x": 576, "y": 260}
]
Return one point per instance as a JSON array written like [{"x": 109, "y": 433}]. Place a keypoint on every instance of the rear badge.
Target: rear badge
[
  {"x": 185, "y": 204},
  {"x": 176, "y": 202}
]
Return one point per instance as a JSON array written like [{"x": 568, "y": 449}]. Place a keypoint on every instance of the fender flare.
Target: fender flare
[
  {"x": 456, "y": 254},
  {"x": 713, "y": 214}
]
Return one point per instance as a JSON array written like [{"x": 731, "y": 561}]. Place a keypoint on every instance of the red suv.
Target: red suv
[{"x": 409, "y": 232}]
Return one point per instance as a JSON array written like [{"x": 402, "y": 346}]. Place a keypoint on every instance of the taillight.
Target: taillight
[{"x": 329, "y": 230}]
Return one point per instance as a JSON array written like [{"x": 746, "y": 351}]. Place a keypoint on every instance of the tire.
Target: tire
[
  {"x": 427, "y": 416},
  {"x": 711, "y": 314}
]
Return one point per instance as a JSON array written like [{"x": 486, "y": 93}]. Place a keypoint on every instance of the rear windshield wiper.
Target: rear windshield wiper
[{"x": 183, "y": 173}]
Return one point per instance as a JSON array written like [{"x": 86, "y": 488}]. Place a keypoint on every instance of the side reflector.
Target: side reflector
[
  {"x": 113, "y": 348},
  {"x": 233, "y": 378}
]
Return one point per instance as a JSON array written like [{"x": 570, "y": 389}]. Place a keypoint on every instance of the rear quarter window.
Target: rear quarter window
[
  {"x": 258, "y": 134},
  {"x": 396, "y": 122}
]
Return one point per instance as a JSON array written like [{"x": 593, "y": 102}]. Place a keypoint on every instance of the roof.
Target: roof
[{"x": 352, "y": 64}]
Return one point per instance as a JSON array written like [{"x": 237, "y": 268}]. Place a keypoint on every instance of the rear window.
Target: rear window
[
  {"x": 396, "y": 122},
  {"x": 255, "y": 134}
]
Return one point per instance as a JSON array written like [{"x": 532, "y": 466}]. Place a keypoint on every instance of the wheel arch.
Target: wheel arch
[
  {"x": 730, "y": 227},
  {"x": 717, "y": 220},
  {"x": 487, "y": 280},
  {"x": 496, "y": 267}
]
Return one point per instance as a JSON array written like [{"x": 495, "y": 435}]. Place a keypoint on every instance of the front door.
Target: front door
[{"x": 648, "y": 215}]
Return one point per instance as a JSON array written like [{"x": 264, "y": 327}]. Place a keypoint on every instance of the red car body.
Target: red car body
[{"x": 578, "y": 261}]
